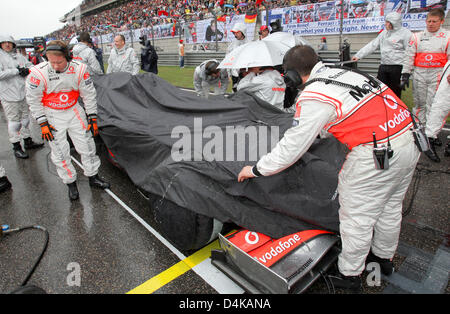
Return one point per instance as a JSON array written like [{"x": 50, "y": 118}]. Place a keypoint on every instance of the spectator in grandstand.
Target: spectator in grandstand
[
  {"x": 323, "y": 44},
  {"x": 207, "y": 75},
  {"x": 123, "y": 58},
  {"x": 83, "y": 53},
  {"x": 392, "y": 42}
]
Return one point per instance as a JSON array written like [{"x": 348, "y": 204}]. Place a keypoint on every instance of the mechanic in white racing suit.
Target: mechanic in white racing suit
[
  {"x": 207, "y": 75},
  {"x": 239, "y": 31},
  {"x": 427, "y": 53},
  {"x": 83, "y": 53},
  {"x": 266, "y": 83},
  {"x": 438, "y": 114},
  {"x": 392, "y": 42},
  {"x": 53, "y": 89},
  {"x": 370, "y": 199},
  {"x": 14, "y": 67}
]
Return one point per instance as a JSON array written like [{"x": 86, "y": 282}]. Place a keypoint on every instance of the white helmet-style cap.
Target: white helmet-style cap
[
  {"x": 7, "y": 38},
  {"x": 239, "y": 27}
]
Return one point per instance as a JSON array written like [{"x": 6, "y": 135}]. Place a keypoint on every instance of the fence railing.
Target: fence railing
[{"x": 369, "y": 64}]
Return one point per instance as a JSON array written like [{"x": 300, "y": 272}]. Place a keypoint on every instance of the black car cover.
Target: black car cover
[{"x": 189, "y": 150}]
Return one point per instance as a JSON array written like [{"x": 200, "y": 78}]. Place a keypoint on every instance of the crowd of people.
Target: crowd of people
[
  {"x": 136, "y": 14},
  {"x": 365, "y": 114}
]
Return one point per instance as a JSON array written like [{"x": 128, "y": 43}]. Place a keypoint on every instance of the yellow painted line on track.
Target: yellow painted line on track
[
  {"x": 219, "y": 281},
  {"x": 176, "y": 270}
]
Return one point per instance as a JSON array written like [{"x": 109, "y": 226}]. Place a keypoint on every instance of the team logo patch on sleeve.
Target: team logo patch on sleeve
[
  {"x": 34, "y": 82},
  {"x": 87, "y": 78}
]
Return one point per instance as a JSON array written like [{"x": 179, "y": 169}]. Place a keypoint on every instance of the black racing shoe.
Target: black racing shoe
[
  {"x": 346, "y": 282},
  {"x": 437, "y": 142},
  {"x": 386, "y": 265},
  {"x": 5, "y": 185},
  {"x": 447, "y": 150},
  {"x": 73, "y": 191},
  {"x": 95, "y": 181},
  {"x": 29, "y": 144},
  {"x": 431, "y": 153},
  {"x": 18, "y": 151}
]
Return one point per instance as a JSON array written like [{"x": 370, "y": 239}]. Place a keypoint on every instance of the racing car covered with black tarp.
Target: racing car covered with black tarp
[{"x": 186, "y": 152}]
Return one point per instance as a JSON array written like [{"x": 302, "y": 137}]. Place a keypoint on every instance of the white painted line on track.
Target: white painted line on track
[{"x": 208, "y": 272}]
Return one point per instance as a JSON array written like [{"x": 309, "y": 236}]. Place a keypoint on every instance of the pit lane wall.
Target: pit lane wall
[{"x": 363, "y": 19}]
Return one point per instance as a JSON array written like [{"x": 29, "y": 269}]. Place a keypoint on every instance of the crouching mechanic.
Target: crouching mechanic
[
  {"x": 267, "y": 84},
  {"x": 370, "y": 198},
  {"x": 207, "y": 75},
  {"x": 53, "y": 89}
]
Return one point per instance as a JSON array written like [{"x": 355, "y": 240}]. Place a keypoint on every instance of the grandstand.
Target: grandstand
[{"x": 103, "y": 18}]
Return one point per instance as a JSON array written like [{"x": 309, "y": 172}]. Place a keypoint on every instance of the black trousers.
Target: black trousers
[{"x": 390, "y": 75}]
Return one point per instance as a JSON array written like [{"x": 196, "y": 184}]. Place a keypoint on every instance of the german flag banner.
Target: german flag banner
[
  {"x": 250, "y": 18},
  {"x": 222, "y": 18}
]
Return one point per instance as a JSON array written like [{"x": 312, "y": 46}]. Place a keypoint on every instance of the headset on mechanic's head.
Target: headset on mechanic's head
[{"x": 60, "y": 47}]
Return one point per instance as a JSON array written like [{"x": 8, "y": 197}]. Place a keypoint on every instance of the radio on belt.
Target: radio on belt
[{"x": 381, "y": 155}]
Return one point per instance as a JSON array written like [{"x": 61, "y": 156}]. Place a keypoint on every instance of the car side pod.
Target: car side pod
[{"x": 289, "y": 265}]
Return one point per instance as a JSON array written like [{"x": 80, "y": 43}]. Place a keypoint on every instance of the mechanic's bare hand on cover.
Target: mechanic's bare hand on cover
[{"x": 246, "y": 173}]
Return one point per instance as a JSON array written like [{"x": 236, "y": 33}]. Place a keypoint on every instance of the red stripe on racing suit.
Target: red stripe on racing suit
[
  {"x": 61, "y": 100},
  {"x": 430, "y": 59},
  {"x": 381, "y": 112}
]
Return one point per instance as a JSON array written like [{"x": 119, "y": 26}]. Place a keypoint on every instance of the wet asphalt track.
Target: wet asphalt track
[{"x": 116, "y": 253}]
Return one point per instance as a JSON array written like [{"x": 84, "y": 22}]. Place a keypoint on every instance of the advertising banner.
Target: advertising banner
[
  {"x": 322, "y": 18},
  {"x": 203, "y": 31},
  {"x": 360, "y": 16}
]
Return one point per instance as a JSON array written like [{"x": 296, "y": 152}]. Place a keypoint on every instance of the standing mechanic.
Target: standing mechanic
[
  {"x": 439, "y": 113},
  {"x": 392, "y": 42},
  {"x": 370, "y": 198},
  {"x": 427, "y": 53},
  {"x": 122, "y": 58},
  {"x": 53, "y": 89},
  {"x": 85, "y": 54},
  {"x": 239, "y": 31},
  {"x": 207, "y": 75},
  {"x": 13, "y": 70}
]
